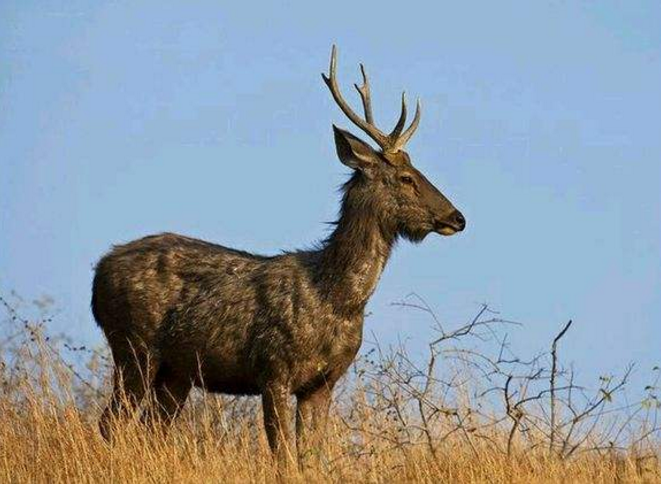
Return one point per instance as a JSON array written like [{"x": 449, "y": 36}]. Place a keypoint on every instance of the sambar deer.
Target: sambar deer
[{"x": 179, "y": 312}]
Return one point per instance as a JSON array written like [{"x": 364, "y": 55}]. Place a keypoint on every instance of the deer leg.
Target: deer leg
[
  {"x": 277, "y": 417},
  {"x": 311, "y": 419},
  {"x": 130, "y": 383},
  {"x": 169, "y": 393}
]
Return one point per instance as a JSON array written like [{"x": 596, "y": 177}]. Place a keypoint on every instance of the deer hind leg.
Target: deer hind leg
[
  {"x": 168, "y": 395},
  {"x": 277, "y": 419},
  {"x": 311, "y": 419},
  {"x": 131, "y": 379}
]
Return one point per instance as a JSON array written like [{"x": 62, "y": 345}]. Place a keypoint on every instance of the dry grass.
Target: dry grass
[
  {"x": 377, "y": 433},
  {"x": 48, "y": 441}
]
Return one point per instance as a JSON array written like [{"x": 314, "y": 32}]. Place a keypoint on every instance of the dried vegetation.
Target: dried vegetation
[{"x": 467, "y": 411}]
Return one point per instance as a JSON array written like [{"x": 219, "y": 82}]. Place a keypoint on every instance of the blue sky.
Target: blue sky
[{"x": 541, "y": 122}]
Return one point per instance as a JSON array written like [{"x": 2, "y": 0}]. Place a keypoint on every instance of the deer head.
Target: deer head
[{"x": 404, "y": 198}]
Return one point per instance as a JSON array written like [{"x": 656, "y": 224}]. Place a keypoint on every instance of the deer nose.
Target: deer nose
[{"x": 459, "y": 220}]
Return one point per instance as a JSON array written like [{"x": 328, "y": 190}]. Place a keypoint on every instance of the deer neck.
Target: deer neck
[{"x": 354, "y": 256}]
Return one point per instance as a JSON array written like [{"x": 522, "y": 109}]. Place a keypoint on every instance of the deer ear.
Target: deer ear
[{"x": 354, "y": 152}]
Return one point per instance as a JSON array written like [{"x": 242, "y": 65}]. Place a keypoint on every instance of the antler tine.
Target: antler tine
[
  {"x": 393, "y": 142},
  {"x": 397, "y": 130},
  {"x": 369, "y": 129},
  {"x": 406, "y": 135},
  {"x": 365, "y": 96}
]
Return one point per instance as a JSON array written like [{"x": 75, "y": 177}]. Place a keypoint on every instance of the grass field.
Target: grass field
[{"x": 393, "y": 420}]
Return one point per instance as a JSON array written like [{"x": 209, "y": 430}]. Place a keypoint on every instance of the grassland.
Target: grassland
[{"x": 442, "y": 418}]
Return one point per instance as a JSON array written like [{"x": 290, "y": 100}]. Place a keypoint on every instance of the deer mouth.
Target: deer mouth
[
  {"x": 446, "y": 229},
  {"x": 450, "y": 224}
]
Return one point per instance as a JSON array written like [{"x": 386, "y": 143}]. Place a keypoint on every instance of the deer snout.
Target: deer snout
[
  {"x": 458, "y": 220},
  {"x": 451, "y": 223}
]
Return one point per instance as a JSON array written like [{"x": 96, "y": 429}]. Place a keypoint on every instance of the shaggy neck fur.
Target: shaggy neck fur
[{"x": 354, "y": 256}]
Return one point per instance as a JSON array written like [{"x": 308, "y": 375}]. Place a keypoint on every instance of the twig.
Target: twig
[{"x": 554, "y": 369}]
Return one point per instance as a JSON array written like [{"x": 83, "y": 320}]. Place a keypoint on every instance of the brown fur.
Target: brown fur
[{"x": 179, "y": 312}]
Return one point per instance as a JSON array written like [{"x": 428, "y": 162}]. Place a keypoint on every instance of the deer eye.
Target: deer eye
[{"x": 406, "y": 179}]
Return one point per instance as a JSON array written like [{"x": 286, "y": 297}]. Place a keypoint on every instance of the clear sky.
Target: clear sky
[{"x": 541, "y": 122}]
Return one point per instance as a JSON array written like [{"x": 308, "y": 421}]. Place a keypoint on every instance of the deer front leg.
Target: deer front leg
[
  {"x": 311, "y": 418},
  {"x": 277, "y": 419}
]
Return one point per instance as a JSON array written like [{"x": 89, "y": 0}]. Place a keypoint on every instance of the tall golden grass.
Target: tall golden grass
[{"x": 385, "y": 426}]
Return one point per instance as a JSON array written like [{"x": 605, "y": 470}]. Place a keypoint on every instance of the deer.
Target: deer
[{"x": 180, "y": 313}]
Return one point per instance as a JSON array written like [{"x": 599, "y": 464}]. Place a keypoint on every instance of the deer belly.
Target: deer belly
[
  {"x": 231, "y": 378},
  {"x": 229, "y": 386}
]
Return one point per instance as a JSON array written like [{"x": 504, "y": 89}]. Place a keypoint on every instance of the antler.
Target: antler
[{"x": 392, "y": 142}]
